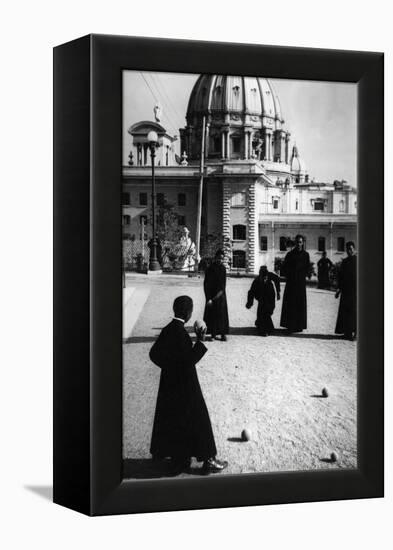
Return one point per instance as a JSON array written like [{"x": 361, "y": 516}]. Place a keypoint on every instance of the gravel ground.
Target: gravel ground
[{"x": 272, "y": 385}]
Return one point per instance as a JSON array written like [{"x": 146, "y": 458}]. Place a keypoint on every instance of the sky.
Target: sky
[{"x": 321, "y": 117}]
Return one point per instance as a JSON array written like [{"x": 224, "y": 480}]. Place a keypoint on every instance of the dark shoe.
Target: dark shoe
[
  {"x": 177, "y": 466},
  {"x": 213, "y": 466},
  {"x": 223, "y": 338}
]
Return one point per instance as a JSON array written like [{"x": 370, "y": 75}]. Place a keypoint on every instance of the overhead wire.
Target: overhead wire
[{"x": 159, "y": 98}]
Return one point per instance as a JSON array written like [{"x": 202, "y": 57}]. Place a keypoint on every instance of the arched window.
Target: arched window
[
  {"x": 239, "y": 232},
  {"x": 341, "y": 206},
  {"x": 239, "y": 259}
]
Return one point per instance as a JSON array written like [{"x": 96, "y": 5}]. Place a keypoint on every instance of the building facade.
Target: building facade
[{"x": 256, "y": 189}]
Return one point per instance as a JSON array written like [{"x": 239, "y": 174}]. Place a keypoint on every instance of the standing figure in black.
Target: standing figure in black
[
  {"x": 296, "y": 268},
  {"x": 262, "y": 290},
  {"x": 347, "y": 311},
  {"x": 216, "y": 309},
  {"x": 324, "y": 267},
  {"x": 182, "y": 427}
]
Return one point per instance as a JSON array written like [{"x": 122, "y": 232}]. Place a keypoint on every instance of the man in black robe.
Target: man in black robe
[
  {"x": 296, "y": 268},
  {"x": 182, "y": 427},
  {"x": 216, "y": 309},
  {"x": 262, "y": 290},
  {"x": 347, "y": 284},
  {"x": 324, "y": 267}
]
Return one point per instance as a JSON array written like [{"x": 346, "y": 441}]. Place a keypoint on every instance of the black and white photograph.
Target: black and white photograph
[{"x": 240, "y": 244}]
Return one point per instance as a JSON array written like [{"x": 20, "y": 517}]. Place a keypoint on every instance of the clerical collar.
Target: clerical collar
[{"x": 179, "y": 319}]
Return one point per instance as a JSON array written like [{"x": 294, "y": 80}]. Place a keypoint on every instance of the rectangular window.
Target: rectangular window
[
  {"x": 239, "y": 259},
  {"x": 125, "y": 198},
  {"x": 283, "y": 244},
  {"x": 340, "y": 244},
  {"x": 126, "y": 220},
  {"x": 143, "y": 220},
  {"x": 143, "y": 199},
  {"x": 181, "y": 220},
  {"x": 318, "y": 205},
  {"x": 160, "y": 199},
  {"x": 275, "y": 204},
  {"x": 239, "y": 232},
  {"x": 263, "y": 243},
  {"x": 181, "y": 199},
  {"x": 321, "y": 244}
]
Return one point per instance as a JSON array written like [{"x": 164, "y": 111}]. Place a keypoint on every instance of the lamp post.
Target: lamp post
[{"x": 154, "y": 265}]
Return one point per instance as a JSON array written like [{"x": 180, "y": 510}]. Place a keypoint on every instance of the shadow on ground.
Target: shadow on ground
[
  {"x": 251, "y": 331},
  {"x": 44, "y": 491},
  {"x": 139, "y": 339}
]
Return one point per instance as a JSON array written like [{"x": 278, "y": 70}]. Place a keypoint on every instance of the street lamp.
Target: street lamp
[{"x": 154, "y": 264}]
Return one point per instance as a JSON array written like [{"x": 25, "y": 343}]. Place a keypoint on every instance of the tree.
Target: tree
[
  {"x": 168, "y": 228},
  {"x": 210, "y": 244}
]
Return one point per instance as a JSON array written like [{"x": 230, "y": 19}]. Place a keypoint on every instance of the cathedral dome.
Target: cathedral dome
[
  {"x": 243, "y": 120},
  {"x": 238, "y": 95}
]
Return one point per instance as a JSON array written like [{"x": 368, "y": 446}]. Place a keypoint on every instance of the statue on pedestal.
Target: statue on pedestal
[{"x": 185, "y": 252}]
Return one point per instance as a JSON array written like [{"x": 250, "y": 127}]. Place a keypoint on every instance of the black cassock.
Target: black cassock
[
  {"x": 182, "y": 427},
  {"x": 263, "y": 292},
  {"x": 294, "y": 305},
  {"x": 347, "y": 311},
  {"x": 324, "y": 267},
  {"x": 216, "y": 315}
]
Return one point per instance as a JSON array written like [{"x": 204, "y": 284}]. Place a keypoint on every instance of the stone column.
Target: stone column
[
  {"x": 273, "y": 246},
  {"x": 226, "y": 211},
  {"x": 287, "y": 148},
  {"x": 252, "y": 237},
  {"x": 270, "y": 145},
  {"x": 223, "y": 145}
]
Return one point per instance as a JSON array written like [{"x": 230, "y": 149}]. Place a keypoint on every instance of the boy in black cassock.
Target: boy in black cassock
[
  {"x": 262, "y": 290},
  {"x": 182, "y": 427},
  {"x": 216, "y": 309}
]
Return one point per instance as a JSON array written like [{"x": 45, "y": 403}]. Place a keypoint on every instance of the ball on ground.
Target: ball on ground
[
  {"x": 246, "y": 435},
  {"x": 334, "y": 457},
  {"x": 199, "y": 325},
  {"x": 325, "y": 393}
]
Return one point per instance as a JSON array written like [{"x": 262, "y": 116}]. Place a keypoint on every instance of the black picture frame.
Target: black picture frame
[{"x": 88, "y": 275}]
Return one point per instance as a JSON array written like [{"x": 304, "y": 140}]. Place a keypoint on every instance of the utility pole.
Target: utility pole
[{"x": 200, "y": 191}]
